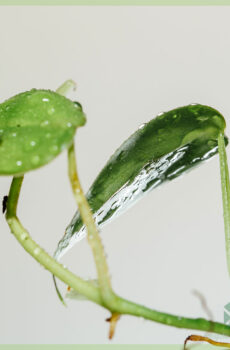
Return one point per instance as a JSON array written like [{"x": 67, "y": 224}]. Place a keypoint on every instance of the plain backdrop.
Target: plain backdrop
[{"x": 130, "y": 63}]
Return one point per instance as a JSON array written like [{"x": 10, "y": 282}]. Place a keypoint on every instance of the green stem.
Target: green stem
[
  {"x": 13, "y": 196},
  {"x": 23, "y": 237},
  {"x": 63, "y": 90},
  {"x": 119, "y": 305},
  {"x": 66, "y": 87},
  {"x": 124, "y": 306},
  {"x": 116, "y": 303},
  {"x": 92, "y": 232},
  {"x": 225, "y": 186}
]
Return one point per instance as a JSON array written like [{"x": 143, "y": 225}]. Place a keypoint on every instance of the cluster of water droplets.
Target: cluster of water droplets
[{"x": 151, "y": 175}]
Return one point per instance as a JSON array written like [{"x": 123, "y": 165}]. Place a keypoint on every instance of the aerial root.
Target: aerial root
[
  {"x": 205, "y": 339},
  {"x": 204, "y": 304},
  {"x": 113, "y": 322}
]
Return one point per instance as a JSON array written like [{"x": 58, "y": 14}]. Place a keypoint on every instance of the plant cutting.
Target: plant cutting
[{"x": 37, "y": 125}]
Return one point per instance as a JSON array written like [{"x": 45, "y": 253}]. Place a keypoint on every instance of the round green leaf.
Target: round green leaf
[{"x": 35, "y": 126}]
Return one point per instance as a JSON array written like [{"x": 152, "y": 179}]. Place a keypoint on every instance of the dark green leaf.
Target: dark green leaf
[{"x": 160, "y": 150}]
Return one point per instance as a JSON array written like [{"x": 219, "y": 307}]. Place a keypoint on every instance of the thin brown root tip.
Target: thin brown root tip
[
  {"x": 194, "y": 337},
  {"x": 113, "y": 322},
  {"x": 186, "y": 340},
  {"x": 68, "y": 289}
]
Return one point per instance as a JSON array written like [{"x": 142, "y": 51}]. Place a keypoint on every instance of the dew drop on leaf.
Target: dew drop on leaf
[
  {"x": 211, "y": 143},
  {"x": 45, "y": 122},
  {"x": 142, "y": 126},
  {"x": 54, "y": 149},
  {"x": 42, "y": 122},
  {"x": 35, "y": 159},
  {"x": 202, "y": 118},
  {"x": 51, "y": 110}
]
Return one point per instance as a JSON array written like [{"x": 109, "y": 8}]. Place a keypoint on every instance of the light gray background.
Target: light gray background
[{"x": 130, "y": 63}]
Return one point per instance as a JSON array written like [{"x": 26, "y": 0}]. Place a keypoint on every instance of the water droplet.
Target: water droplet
[
  {"x": 19, "y": 162},
  {"x": 35, "y": 159},
  {"x": 45, "y": 99},
  {"x": 218, "y": 121},
  {"x": 46, "y": 122},
  {"x": 121, "y": 155},
  {"x": 14, "y": 134},
  {"x": 51, "y": 110},
  {"x": 202, "y": 118},
  {"x": 69, "y": 124},
  {"x": 78, "y": 105},
  {"x": 54, "y": 148},
  {"x": 24, "y": 236},
  {"x": 37, "y": 251},
  {"x": 1, "y": 131},
  {"x": 33, "y": 143},
  {"x": 174, "y": 116},
  {"x": 10, "y": 221},
  {"x": 142, "y": 126},
  {"x": 161, "y": 115},
  {"x": 211, "y": 143}
]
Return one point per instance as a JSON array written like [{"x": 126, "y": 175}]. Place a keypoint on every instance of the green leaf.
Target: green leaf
[
  {"x": 35, "y": 126},
  {"x": 159, "y": 151}
]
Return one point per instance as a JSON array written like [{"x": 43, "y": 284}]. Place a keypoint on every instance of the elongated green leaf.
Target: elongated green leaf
[
  {"x": 160, "y": 150},
  {"x": 35, "y": 126}
]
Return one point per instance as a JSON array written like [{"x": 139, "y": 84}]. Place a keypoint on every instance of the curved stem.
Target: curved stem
[
  {"x": 39, "y": 254},
  {"x": 117, "y": 304},
  {"x": 12, "y": 202},
  {"x": 92, "y": 232},
  {"x": 124, "y": 306}
]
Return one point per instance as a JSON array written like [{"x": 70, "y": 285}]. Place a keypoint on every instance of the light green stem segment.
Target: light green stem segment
[
  {"x": 225, "y": 186},
  {"x": 92, "y": 232},
  {"x": 67, "y": 86},
  {"x": 118, "y": 304},
  {"x": 38, "y": 253}
]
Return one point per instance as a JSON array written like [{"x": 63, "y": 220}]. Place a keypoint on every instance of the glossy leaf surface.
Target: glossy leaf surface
[
  {"x": 160, "y": 150},
  {"x": 35, "y": 126}
]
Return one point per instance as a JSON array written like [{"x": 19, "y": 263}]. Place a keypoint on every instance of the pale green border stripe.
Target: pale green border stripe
[
  {"x": 118, "y": 2},
  {"x": 106, "y": 347}
]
